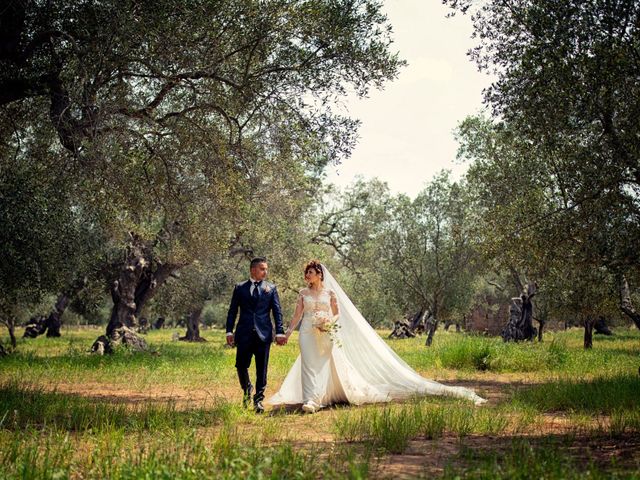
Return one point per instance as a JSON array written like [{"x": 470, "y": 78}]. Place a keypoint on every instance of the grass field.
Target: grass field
[{"x": 554, "y": 411}]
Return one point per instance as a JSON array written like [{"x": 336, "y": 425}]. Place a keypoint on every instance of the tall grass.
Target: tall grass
[
  {"x": 522, "y": 460},
  {"x": 599, "y": 395},
  {"x": 185, "y": 455},
  {"x": 560, "y": 353},
  {"x": 392, "y": 427},
  {"x": 46, "y": 434},
  {"x": 34, "y": 408}
]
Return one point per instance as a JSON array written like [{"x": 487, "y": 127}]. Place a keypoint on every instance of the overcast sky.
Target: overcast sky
[{"x": 407, "y": 129}]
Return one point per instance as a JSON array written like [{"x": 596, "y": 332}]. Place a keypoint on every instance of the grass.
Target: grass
[
  {"x": 184, "y": 456},
  {"x": 176, "y": 413},
  {"x": 390, "y": 428},
  {"x": 523, "y": 460},
  {"x": 598, "y": 395},
  {"x": 34, "y": 408},
  {"x": 560, "y": 353}
]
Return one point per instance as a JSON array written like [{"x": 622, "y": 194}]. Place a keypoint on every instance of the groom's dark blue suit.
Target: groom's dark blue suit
[{"x": 254, "y": 332}]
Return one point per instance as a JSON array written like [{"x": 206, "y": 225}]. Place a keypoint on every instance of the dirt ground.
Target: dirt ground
[
  {"x": 422, "y": 458},
  {"x": 493, "y": 389}
]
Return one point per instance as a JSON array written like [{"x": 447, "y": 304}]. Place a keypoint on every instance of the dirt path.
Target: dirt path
[
  {"x": 183, "y": 398},
  {"x": 494, "y": 389},
  {"x": 422, "y": 458},
  {"x": 429, "y": 458}
]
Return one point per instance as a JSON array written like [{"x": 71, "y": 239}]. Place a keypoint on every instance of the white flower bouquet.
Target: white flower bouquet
[{"x": 327, "y": 323}]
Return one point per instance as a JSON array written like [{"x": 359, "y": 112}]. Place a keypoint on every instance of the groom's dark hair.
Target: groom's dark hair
[{"x": 255, "y": 261}]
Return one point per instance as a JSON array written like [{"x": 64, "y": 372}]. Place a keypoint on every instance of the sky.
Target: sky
[{"x": 406, "y": 135}]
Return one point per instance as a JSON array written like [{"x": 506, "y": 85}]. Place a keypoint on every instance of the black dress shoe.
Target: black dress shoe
[{"x": 259, "y": 408}]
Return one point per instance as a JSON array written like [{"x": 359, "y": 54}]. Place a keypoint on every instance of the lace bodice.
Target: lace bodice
[{"x": 315, "y": 302}]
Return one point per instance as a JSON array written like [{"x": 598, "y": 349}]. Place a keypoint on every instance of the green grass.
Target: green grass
[
  {"x": 184, "y": 455},
  {"x": 45, "y": 433},
  {"x": 599, "y": 395},
  {"x": 184, "y": 365},
  {"x": 547, "y": 460},
  {"x": 560, "y": 353},
  {"x": 392, "y": 427},
  {"x": 33, "y": 408}
]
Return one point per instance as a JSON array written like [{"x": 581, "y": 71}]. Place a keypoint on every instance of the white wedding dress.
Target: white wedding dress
[{"x": 358, "y": 368}]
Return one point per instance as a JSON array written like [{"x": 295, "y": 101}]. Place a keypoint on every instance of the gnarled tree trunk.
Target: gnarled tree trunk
[
  {"x": 35, "y": 326},
  {"x": 139, "y": 280},
  {"x": 11, "y": 326},
  {"x": 193, "y": 326},
  {"x": 123, "y": 290},
  {"x": 625, "y": 302},
  {"x": 417, "y": 324},
  {"x": 600, "y": 326},
  {"x": 402, "y": 329},
  {"x": 52, "y": 323},
  {"x": 410, "y": 326},
  {"x": 54, "y": 320},
  {"x": 450, "y": 322},
  {"x": 520, "y": 325},
  {"x": 431, "y": 325},
  {"x": 540, "y": 327},
  {"x": 588, "y": 323}
]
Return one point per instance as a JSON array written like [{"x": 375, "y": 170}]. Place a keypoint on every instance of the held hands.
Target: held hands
[
  {"x": 280, "y": 340},
  {"x": 283, "y": 340}
]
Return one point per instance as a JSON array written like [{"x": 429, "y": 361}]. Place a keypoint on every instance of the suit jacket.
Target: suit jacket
[{"x": 254, "y": 313}]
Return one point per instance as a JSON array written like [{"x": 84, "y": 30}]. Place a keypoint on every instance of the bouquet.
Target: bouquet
[{"x": 327, "y": 323}]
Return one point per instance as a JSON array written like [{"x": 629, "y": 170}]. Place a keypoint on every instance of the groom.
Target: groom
[{"x": 253, "y": 336}]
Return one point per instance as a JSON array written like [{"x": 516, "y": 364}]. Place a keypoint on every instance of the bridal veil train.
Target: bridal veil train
[{"x": 360, "y": 367}]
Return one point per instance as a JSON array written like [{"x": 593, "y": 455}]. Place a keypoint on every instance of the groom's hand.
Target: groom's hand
[
  {"x": 230, "y": 340},
  {"x": 281, "y": 340}
]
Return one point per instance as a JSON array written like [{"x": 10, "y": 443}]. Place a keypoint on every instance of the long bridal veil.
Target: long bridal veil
[{"x": 368, "y": 369}]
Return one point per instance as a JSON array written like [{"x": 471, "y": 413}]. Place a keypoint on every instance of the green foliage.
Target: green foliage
[
  {"x": 561, "y": 353},
  {"x": 469, "y": 352},
  {"x": 349, "y": 224},
  {"x": 600, "y": 395},
  {"x": 46, "y": 239},
  {"x": 201, "y": 128},
  {"x": 555, "y": 172},
  {"x": 624, "y": 421},
  {"x": 404, "y": 255},
  {"x": 426, "y": 249}
]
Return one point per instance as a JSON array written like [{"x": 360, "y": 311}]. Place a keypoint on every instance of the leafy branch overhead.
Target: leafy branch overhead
[{"x": 174, "y": 125}]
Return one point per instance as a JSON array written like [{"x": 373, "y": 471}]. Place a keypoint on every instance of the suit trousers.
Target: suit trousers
[{"x": 247, "y": 348}]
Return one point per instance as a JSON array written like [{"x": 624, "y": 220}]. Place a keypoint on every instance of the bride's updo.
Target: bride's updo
[{"x": 315, "y": 265}]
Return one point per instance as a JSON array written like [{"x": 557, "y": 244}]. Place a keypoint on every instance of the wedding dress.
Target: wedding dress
[{"x": 355, "y": 366}]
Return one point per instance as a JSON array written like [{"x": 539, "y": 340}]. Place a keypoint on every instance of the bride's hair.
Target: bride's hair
[{"x": 314, "y": 265}]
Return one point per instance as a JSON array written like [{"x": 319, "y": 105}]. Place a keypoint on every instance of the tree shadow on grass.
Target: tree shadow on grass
[
  {"x": 34, "y": 408},
  {"x": 523, "y": 456},
  {"x": 599, "y": 395}
]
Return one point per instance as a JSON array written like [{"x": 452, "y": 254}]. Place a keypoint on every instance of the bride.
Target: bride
[{"x": 342, "y": 359}]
